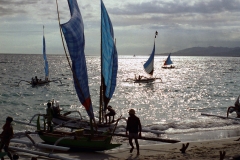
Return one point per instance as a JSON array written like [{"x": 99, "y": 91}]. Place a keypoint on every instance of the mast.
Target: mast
[{"x": 101, "y": 86}]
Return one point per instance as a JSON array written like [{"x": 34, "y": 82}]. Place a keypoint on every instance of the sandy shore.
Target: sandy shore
[{"x": 200, "y": 150}]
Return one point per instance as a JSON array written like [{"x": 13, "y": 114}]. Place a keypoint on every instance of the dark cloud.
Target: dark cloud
[
  {"x": 17, "y": 3},
  {"x": 177, "y": 6},
  {"x": 10, "y": 8}
]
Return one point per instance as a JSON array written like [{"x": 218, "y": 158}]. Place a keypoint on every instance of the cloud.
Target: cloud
[{"x": 177, "y": 6}]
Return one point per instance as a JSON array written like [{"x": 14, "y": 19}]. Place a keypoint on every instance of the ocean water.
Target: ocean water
[{"x": 174, "y": 105}]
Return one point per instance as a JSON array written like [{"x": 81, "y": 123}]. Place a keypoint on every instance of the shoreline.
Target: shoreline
[{"x": 201, "y": 150}]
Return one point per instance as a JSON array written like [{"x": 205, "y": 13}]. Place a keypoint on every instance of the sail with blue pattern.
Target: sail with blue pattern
[
  {"x": 73, "y": 32},
  {"x": 109, "y": 56},
  {"x": 45, "y": 58}
]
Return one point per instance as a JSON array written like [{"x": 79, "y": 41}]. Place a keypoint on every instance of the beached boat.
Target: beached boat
[
  {"x": 148, "y": 67},
  {"x": 168, "y": 63},
  {"x": 73, "y": 32},
  {"x": 77, "y": 140},
  {"x": 109, "y": 67}
]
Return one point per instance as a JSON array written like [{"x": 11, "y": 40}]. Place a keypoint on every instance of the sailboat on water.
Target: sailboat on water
[
  {"x": 73, "y": 32},
  {"x": 35, "y": 81},
  {"x": 168, "y": 63},
  {"x": 148, "y": 67}
]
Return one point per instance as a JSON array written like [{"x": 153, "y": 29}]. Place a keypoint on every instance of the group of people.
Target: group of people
[{"x": 36, "y": 81}]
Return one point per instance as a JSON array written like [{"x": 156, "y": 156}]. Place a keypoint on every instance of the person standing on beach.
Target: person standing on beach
[
  {"x": 6, "y": 136},
  {"x": 134, "y": 128},
  {"x": 49, "y": 116}
]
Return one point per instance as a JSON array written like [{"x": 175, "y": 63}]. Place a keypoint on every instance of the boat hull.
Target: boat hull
[
  {"x": 147, "y": 80},
  {"x": 40, "y": 83},
  {"x": 168, "y": 67},
  {"x": 85, "y": 142}
]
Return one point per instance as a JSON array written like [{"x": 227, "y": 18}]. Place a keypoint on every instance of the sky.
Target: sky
[{"x": 180, "y": 24}]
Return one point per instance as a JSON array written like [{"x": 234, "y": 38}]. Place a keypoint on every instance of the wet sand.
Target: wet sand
[{"x": 200, "y": 150}]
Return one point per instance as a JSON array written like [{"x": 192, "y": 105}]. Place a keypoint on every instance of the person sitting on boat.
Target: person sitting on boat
[
  {"x": 235, "y": 108},
  {"x": 33, "y": 81},
  {"x": 56, "y": 109},
  {"x": 109, "y": 114},
  {"x": 139, "y": 77},
  {"x": 49, "y": 116},
  {"x": 36, "y": 79}
]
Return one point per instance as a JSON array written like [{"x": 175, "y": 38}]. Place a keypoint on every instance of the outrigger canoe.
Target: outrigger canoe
[{"x": 79, "y": 140}]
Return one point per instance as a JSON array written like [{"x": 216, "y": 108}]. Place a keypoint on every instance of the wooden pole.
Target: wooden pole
[{"x": 151, "y": 138}]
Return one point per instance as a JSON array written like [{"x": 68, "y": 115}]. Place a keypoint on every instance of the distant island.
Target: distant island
[{"x": 207, "y": 51}]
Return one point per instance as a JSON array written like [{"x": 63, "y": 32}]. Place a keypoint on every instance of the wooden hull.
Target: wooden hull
[
  {"x": 40, "y": 83},
  {"x": 168, "y": 67},
  {"x": 82, "y": 142},
  {"x": 144, "y": 80}
]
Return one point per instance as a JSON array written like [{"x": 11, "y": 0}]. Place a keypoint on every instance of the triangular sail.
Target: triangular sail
[
  {"x": 109, "y": 56},
  {"x": 168, "y": 60},
  {"x": 45, "y": 57},
  {"x": 73, "y": 32},
  {"x": 149, "y": 65}
]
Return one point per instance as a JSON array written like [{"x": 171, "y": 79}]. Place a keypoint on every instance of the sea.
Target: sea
[{"x": 172, "y": 104}]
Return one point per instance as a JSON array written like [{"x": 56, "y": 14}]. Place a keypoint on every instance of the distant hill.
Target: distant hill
[{"x": 208, "y": 51}]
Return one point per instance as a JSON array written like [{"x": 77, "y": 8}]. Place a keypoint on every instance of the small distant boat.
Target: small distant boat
[
  {"x": 148, "y": 67},
  {"x": 168, "y": 63},
  {"x": 35, "y": 81}
]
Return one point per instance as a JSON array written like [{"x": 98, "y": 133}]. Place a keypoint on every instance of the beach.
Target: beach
[{"x": 198, "y": 150}]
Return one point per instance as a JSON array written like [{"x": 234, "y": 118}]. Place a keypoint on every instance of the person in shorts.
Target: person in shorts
[
  {"x": 134, "y": 128},
  {"x": 110, "y": 113}
]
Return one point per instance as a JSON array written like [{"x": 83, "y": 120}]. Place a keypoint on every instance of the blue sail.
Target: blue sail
[
  {"x": 73, "y": 32},
  {"x": 168, "y": 60},
  {"x": 148, "y": 66},
  {"x": 45, "y": 59},
  {"x": 109, "y": 56}
]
